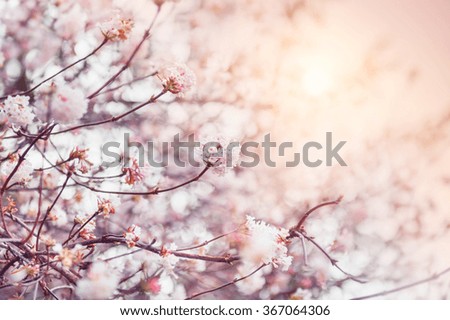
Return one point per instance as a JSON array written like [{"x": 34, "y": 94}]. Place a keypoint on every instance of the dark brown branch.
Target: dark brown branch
[
  {"x": 155, "y": 191},
  {"x": 120, "y": 240},
  {"x": 44, "y": 132},
  {"x": 129, "y": 253}
]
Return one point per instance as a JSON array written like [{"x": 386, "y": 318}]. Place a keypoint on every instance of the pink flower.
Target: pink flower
[
  {"x": 106, "y": 207},
  {"x": 220, "y": 153},
  {"x": 133, "y": 174},
  {"x": 132, "y": 235},
  {"x": 151, "y": 285},
  {"x": 177, "y": 78},
  {"x": 66, "y": 257},
  {"x": 117, "y": 28},
  {"x": 80, "y": 160},
  {"x": 32, "y": 270}
]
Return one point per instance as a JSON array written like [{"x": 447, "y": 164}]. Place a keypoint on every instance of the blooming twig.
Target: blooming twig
[
  {"x": 333, "y": 261},
  {"x": 71, "y": 236},
  {"x": 130, "y": 59},
  {"x": 27, "y": 92},
  {"x": 49, "y": 209},
  {"x": 115, "y": 118},
  {"x": 155, "y": 191},
  {"x": 207, "y": 242}
]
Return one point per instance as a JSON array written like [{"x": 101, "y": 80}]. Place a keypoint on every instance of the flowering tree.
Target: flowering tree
[{"x": 75, "y": 76}]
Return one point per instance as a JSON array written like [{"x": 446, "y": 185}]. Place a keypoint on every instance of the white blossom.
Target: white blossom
[
  {"x": 18, "y": 110},
  {"x": 265, "y": 244},
  {"x": 71, "y": 23},
  {"x": 23, "y": 175},
  {"x": 117, "y": 28},
  {"x": 107, "y": 204},
  {"x": 167, "y": 260},
  {"x": 177, "y": 78},
  {"x": 100, "y": 282},
  {"x": 221, "y": 153},
  {"x": 16, "y": 274},
  {"x": 68, "y": 105},
  {"x": 251, "y": 284},
  {"x": 132, "y": 235}
]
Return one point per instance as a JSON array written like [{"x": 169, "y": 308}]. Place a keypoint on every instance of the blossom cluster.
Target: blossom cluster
[
  {"x": 177, "y": 78},
  {"x": 117, "y": 28},
  {"x": 17, "y": 111},
  {"x": 23, "y": 174},
  {"x": 132, "y": 235},
  {"x": 68, "y": 105},
  {"x": 265, "y": 244}
]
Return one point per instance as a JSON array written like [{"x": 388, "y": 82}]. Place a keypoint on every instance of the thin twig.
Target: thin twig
[
  {"x": 160, "y": 251},
  {"x": 130, "y": 59},
  {"x": 80, "y": 228},
  {"x": 115, "y": 118},
  {"x": 46, "y": 130},
  {"x": 413, "y": 284},
  {"x": 226, "y": 284},
  {"x": 305, "y": 253},
  {"x": 127, "y": 83},
  {"x": 155, "y": 191},
  {"x": 333, "y": 261},
  {"x": 208, "y": 241},
  {"x": 308, "y": 213},
  {"x": 48, "y": 212},
  {"x": 105, "y": 40}
]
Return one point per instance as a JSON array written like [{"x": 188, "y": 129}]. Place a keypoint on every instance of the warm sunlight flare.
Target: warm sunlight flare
[{"x": 316, "y": 81}]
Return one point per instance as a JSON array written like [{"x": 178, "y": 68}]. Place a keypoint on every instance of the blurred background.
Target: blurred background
[{"x": 376, "y": 74}]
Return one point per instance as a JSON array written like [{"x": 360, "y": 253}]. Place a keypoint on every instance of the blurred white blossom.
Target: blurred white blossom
[
  {"x": 68, "y": 104},
  {"x": 100, "y": 282},
  {"x": 18, "y": 110},
  {"x": 265, "y": 244},
  {"x": 23, "y": 174}
]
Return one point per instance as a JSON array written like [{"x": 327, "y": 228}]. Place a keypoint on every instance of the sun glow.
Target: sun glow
[{"x": 316, "y": 81}]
